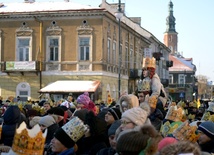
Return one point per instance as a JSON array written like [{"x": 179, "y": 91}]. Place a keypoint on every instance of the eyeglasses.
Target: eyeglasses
[{"x": 125, "y": 122}]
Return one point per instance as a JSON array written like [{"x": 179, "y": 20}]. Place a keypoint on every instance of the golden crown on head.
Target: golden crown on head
[
  {"x": 29, "y": 141},
  {"x": 168, "y": 128},
  {"x": 75, "y": 129},
  {"x": 144, "y": 85},
  {"x": 149, "y": 62},
  {"x": 186, "y": 132},
  {"x": 174, "y": 113},
  {"x": 207, "y": 116}
]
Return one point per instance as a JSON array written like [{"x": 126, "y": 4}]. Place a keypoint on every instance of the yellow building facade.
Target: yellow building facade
[{"x": 43, "y": 45}]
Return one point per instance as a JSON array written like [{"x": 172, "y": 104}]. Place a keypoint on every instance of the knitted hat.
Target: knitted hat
[
  {"x": 83, "y": 99},
  {"x": 136, "y": 115},
  {"x": 81, "y": 114},
  {"x": 138, "y": 142},
  {"x": 207, "y": 128},
  {"x": 114, "y": 127},
  {"x": 47, "y": 121},
  {"x": 166, "y": 141},
  {"x": 71, "y": 132},
  {"x": 115, "y": 113}
]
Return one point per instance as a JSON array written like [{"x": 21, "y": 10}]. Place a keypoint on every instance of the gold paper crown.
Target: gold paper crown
[
  {"x": 168, "y": 128},
  {"x": 193, "y": 104},
  {"x": 174, "y": 114},
  {"x": 207, "y": 116},
  {"x": 144, "y": 85},
  {"x": 191, "y": 116},
  {"x": 75, "y": 129},
  {"x": 186, "y": 132},
  {"x": 181, "y": 104},
  {"x": 149, "y": 62},
  {"x": 29, "y": 142}
]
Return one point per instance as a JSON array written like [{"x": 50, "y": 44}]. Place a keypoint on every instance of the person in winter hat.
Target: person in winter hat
[
  {"x": 181, "y": 148},
  {"x": 206, "y": 139},
  {"x": 66, "y": 137},
  {"x": 83, "y": 100},
  {"x": 112, "y": 115},
  {"x": 166, "y": 141},
  {"x": 112, "y": 140},
  {"x": 141, "y": 142},
  {"x": 127, "y": 102}
]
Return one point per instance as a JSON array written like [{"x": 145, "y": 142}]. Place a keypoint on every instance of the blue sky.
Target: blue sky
[{"x": 194, "y": 24}]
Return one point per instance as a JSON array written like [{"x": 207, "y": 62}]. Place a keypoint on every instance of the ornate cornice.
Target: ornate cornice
[
  {"x": 84, "y": 29},
  {"x": 55, "y": 14},
  {"x": 24, "y": 31},
  {"x": 53, "y": 29}
]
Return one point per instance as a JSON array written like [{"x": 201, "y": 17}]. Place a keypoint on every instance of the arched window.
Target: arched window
[{"x": 23, "y": 91}]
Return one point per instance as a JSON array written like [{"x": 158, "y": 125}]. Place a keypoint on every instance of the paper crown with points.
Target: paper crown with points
[
  {"x": 174, "y": 113},
  {"x": 186, "y": 132},
  {"x": 29, "y": 141},
  {"x": 75, "y": 128},
  {"x": 168, "y": 128},
  {"x": 149, "y": 62},
  {"x": 207, "y": 116},
  {"x": 144, "y": 85}
]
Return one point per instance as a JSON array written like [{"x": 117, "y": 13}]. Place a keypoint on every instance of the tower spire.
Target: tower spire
[{"x": 170, "y": 20}]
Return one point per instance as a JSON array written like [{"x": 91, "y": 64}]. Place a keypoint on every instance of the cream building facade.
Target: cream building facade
[{"x": 43, "y": 42}]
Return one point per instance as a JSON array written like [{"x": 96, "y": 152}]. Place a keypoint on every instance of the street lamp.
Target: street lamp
[{"x": 119, "y": 15}]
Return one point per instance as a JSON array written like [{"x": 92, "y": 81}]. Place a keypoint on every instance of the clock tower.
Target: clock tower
[{"x": 170, "y": 35}]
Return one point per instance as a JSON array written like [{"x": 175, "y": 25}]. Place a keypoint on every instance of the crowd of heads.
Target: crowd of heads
[{"x": 127, "y": 127}]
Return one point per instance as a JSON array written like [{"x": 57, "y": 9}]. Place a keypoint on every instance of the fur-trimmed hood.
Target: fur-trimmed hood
[{"x": 131, "y": 100}]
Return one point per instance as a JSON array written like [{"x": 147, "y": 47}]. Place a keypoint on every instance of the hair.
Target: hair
[
  {"x": 181, "y": 147},
  {"x": 133, "y": 142},
  {"x": 151, "y": 72}
]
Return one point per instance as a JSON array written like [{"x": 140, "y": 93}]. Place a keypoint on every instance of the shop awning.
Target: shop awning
[{"x": 70, "y": 86}]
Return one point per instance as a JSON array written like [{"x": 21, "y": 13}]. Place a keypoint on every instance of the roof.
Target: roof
[
  {"x": 68, "y": 86},
  {"x": 181, "y": 64},
  {"x": 42, "y": 7}
]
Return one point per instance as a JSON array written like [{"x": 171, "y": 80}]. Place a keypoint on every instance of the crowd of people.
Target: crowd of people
[{"x": 141, "y": 123}]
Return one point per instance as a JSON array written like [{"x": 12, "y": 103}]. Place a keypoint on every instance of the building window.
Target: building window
[
  {"x": 24, "y": 48},
  {"x": 127, "y": 57},
  {"x": 109, "y": 51},
  {"x": 53, "y": 53},
  {"x": 84, "y": 46},
  {"x": 23, "y": 91},
  {"x": 170, "y": 78},
  {"x": 181, "y": 79},
  {"x": 54, "y": 49},
  {"x": 114, "y": 53},
  {"x": 131, "y": 59}
]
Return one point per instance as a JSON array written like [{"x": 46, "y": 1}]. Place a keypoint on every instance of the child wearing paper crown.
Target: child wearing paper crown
[{"x": 157, "y": 93}]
